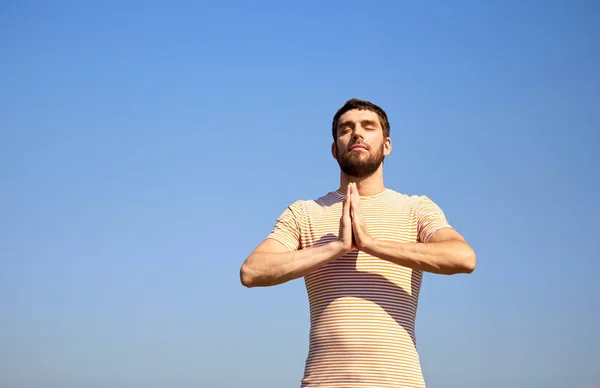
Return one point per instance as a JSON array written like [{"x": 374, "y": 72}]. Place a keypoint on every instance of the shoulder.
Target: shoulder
[
  {"x": 307, "y": 208},
  {"x": 302, "y": 204},
  {"x": 405, "y": 198},
  {"x": 415, "y": 202},
  {"x": 325, "y": 200}
]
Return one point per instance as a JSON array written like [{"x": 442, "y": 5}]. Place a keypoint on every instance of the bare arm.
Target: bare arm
[
  {"x": 271, "y": 264},
  {"x": 446, "y": 253}
]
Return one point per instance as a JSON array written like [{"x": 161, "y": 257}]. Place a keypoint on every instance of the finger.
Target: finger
[
  {"x": 355, "y": 199},
  {"x": 346, "y": 205},
  {"x": 354, "y": 209}
]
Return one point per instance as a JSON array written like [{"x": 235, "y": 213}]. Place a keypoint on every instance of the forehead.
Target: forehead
[{"x": 356, "y": 115}]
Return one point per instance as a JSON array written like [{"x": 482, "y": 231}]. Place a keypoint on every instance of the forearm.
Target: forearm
[
  {"x": 447, "y": 257},
  {"x": 268, "y": 269}
]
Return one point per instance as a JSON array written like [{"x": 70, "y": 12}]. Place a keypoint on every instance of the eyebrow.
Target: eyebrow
[
  {"x": 368, "y": 122},
  {"x": 363, "y": 122}
]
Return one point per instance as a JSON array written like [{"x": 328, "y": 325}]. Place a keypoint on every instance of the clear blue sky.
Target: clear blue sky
[{"x": 146, "y": 148}]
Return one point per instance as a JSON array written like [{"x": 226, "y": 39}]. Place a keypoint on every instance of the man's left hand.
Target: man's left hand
[{"x": 362, "y": 237}]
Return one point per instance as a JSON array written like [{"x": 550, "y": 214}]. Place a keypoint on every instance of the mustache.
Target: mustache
[{"x": 358, "y": 143}]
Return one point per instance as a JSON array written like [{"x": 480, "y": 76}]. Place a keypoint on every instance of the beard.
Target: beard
[{"x": 358, "y": 165}]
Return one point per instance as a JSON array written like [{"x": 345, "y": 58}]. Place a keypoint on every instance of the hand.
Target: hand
[
  {"x": 346, "y": 237},
  {"x": 362, "y": 237}
]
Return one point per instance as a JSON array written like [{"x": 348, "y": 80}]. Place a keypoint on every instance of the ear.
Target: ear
[
  {"x": 387, "y": 146},
  {"x": 333, "y": 150}
]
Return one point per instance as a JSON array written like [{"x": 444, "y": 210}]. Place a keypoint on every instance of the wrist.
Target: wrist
[
  {"x": 369, "y": 245},
  {"x": 340, "y": 248}
]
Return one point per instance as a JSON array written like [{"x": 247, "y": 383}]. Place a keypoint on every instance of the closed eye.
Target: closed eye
[{"x": 369, "y": 124}]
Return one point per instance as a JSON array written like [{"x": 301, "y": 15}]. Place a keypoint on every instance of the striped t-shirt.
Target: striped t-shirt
[{"x": 362, "y": 308}]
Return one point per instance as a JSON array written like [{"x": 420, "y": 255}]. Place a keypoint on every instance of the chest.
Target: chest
[
  {"x": 357, "y": 272},
  {"x": 391, "y": 223}
]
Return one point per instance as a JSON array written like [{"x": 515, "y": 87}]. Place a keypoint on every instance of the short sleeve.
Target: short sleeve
[
  {"x": 430, "y": 218},
  {"x": 287, "y": 227}
]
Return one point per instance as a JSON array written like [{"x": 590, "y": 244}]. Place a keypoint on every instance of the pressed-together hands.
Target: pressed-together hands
[
  {"x": 353, "y": 231},
  {"x": 272, "y": 263}
]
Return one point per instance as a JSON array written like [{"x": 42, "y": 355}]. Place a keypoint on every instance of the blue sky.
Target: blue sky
[{"x": 147, "y": 148}]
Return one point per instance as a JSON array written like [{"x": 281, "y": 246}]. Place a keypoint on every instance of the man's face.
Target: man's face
[{"x": 360, "y": 147}]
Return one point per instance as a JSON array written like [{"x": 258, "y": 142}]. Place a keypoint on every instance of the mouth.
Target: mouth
[{"x": 358, "y": 148}]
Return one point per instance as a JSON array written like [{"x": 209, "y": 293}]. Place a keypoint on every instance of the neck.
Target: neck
[{"x": 369, "y": 185}]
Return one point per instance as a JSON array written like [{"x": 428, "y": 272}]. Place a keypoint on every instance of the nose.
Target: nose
[{"x": 358, "y": 132}]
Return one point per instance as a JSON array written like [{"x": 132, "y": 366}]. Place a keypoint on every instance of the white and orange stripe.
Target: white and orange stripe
[{"x": 362, "y": 308}]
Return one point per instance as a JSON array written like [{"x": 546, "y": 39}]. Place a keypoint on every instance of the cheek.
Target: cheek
[{"x": 378, "y": 144}]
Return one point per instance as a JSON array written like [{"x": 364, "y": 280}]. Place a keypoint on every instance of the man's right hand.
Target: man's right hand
[
  {"x": 273, "y": 263},
  {"x": 346, "y": 237}
]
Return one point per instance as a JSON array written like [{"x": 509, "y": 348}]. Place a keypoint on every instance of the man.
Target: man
[{"x": 362, "y": 250}]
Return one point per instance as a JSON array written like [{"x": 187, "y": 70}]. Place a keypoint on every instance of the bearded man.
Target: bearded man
[{"x": 361, "y": 249}]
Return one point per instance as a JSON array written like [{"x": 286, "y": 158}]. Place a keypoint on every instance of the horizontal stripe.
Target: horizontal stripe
[{"x": 362, "y": 308}]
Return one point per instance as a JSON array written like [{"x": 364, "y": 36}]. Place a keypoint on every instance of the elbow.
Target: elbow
[
  {"x": 253, "y": 273},
  {"x": 246, "y": 276},
  {"x": 469, "y": 262},
  {"x": 463, "y": 263}
]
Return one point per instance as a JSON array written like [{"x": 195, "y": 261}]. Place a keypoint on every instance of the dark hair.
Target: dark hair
[{"x": 355, "y": 103}]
